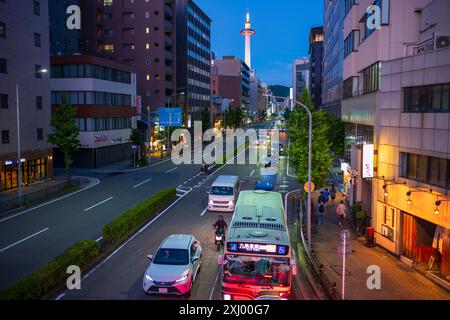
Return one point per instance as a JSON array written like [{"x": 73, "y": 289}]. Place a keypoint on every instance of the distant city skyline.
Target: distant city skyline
[{"x": 273, "y": 50}]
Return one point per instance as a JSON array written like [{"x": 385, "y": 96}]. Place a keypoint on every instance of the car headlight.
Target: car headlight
[
  {"x": 183, "y": 278},
  {"x": 148, "y": 278},
  {"x": 211, "y": 202},
  {"x": 230, "y": 203},
  {"x": 226, "y": 297}
]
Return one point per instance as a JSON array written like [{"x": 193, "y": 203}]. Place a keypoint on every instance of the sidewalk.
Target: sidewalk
[{"x": 398, "y": 281}]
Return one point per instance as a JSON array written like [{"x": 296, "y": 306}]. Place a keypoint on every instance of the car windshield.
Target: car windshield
[
  {"x": 173, "y": 257},
  {"x": 221, "y": 191},
  {"x": 256, "y": 270}
]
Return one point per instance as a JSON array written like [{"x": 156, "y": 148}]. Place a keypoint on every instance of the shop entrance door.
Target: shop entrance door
[{"x": 409, "y": 236}]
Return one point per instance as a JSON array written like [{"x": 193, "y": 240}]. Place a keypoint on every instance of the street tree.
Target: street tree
[
  {"x": 206, "y": 119},
  {"x": 336, "y": 134},
  {"x": 298, "y": 126},
  {"x": 65, "y": 132},
  {"x": 137, "y": 139},
  {"x": 238, "y": 117}
]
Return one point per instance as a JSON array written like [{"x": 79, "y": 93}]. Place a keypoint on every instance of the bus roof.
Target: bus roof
[
  {"x": 259, "y": 217},
  {"x": 225, "y": 181}
]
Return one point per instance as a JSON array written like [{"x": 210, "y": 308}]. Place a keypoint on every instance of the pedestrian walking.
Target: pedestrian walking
[
  {"x": 321, "y": 198},
  {"x": 341, "y": 212},
  {"x": 326, "y": 195},
  {"x": 320, "y": 213}
]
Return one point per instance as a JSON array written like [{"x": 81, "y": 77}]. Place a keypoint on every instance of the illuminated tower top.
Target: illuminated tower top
[{"x": 248, "y": 32}]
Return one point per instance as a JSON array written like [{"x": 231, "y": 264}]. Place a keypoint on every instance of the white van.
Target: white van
[{"x": 223, "y": 194}]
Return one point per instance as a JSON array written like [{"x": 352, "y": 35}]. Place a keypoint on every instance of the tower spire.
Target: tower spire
[{"x": 248, "y": 32}]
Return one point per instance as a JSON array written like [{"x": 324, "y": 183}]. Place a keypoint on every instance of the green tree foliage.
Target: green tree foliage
[
  {"x": 287, "y": 114},
  {"x": 65, "y": 132},
  {"x": 206, "y": 120},
  {"x": 238, "y": 117},
  {"x": 298, "y": 125},
  {"x": 336, "y": 134}
]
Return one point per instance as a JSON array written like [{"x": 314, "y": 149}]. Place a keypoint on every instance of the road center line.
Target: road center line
[
  {"x": 24, "y": 239},
  {"x": 140, "y": 184},
  {"x": 251, "y": 174},
  {"x": 173, "y": 169},
  {"x": 96, "y": 205},
  {"x": 204, "y": 211}
]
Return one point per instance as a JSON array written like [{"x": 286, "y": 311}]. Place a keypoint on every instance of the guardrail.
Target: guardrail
[{"x": 328, "y": 287}]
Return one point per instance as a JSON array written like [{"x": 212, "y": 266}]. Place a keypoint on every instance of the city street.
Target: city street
[{"x": 120, "y": 275}]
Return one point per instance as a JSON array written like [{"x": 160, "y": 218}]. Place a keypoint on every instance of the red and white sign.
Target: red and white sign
[
  {"x": 138, "y": 105},
  {"x": 368, "y": 159}
]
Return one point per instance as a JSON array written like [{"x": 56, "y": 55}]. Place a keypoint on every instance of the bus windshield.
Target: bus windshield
[
  {"x": 222, "y": 191},
  {"x": 256, "y": 270}
]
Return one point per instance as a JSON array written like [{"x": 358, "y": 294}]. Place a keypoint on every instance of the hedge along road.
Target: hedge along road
[{"x": 120, "y": 277}]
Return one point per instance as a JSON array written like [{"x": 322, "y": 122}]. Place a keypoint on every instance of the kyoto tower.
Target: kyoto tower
[{"x": 248, "y": 32}]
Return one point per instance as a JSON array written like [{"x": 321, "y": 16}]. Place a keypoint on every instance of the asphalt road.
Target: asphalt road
[
  {"x": 119, "y": 276},
  {"x": 31, "y": 238}
]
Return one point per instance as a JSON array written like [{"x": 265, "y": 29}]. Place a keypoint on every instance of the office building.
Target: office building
[
  {"x": 315, "y": 64},
  {"x": 333, "y": 56},
  {"x": 300, "y": 76},
  {"x": 24, "y": 43}
]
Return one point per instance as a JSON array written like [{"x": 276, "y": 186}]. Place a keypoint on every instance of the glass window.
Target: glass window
[
  {"x": 412, "y": 166},
  {"x": 90, "y": 124},
  {"x": 81, "y": 99},
  {"x": 40, "y": 134},
  {"x": 36, "y": 8},
  {"x": 3, "y": 65},
  {"x": 5, "y": 136},
  {"x": 437, "y": 97},
  {"x": 3, "y": 101},
  {"x": 445, "y": 99},
  {"x": 175, "y": 257},
  {"x": 90, "y": 97},
  {"x": 437, "y": 171},
  {"x": 73, "y": 97},
  {"x": 415, "y": 99},
  {"x": 37, "y": 40},
  {"x": 39, "y": 102},
  {"x": 422, "y": 168},
  {"x": 89, "y": 71},
  {"x": 2, "y": 30}
]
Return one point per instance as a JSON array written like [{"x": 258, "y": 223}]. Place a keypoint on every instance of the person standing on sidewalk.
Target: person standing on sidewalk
[
  {"x": 320, "y": 213},
  {"x": 341, "y": 212},
  {"x": 333, "y": 194}
]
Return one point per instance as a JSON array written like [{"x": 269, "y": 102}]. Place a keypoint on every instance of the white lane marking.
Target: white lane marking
[
  {"x": 173, "y": 169},
  {"x": 24, "y": 239},
  {"x": 134, "y": 236},
  {"x": 50, "y": 202},
  {"x": 140, "y": 184},
  {"x": 204, "y": 211},
  {"x": 99, "y": 239},
  {"x": 215, "y": 282},
  {"x": 251, "y": 174},
  {"x": 97, "y": 204}
]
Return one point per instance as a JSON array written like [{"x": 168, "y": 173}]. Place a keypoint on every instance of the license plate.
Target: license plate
[{"x": 162, "y": 290}]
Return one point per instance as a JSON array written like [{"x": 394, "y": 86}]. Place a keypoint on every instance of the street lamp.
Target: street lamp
[
  {"x": 309, "y": 163},
  {"x": 19, "y": 157}
]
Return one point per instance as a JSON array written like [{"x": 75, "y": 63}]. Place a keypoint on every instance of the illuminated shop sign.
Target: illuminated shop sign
[{"x": 246, "y": 247}]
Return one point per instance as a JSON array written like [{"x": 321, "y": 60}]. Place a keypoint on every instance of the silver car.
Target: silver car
[{"x": 174, "y": 267}]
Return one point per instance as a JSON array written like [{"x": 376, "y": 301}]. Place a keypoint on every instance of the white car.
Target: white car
[{"x": 174, "y": 267}]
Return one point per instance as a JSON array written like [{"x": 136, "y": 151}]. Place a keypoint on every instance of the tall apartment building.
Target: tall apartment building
[
  {"x": 24, "y": 43},
  {"x": 333, "y": 56},
  {"x": 256, "y": 101},
  {"x": 193, "y": 57},
  {"x": 300, "y": 76},
  {"x": 315, "y": 63},
  {"x": 412, "y": 136},
  {"x": 142, "y": 35},
  {"x": 230, "y": 78},
  {"x": 104, "y": 94},
  {"x": 365, "y": 48}
]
